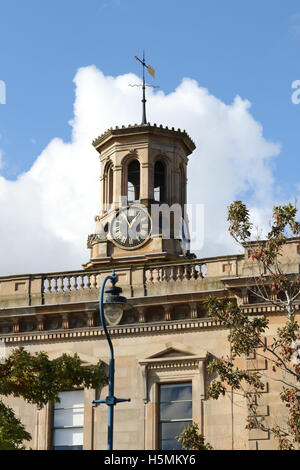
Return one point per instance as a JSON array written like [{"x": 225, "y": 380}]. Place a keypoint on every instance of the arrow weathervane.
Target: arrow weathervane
[{"x": 152, "y": 73}]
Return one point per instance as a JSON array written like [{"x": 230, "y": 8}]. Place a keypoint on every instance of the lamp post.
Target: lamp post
[{"x": 111, "y": 307}]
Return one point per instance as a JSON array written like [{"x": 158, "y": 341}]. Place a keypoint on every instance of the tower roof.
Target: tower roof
[{"x": 154, "y": 129}]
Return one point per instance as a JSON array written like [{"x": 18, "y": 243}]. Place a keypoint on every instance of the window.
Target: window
[
  {"x": 68, "y": 421},
  {"x": 133, "y": 181},
  {"x": 175, "y": 413}
]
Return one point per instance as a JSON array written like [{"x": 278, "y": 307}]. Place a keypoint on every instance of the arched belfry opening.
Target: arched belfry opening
[
  {"x": 133, "y": 188},
  {"x": 159, "y": 181},
  {"x": 108, "y": 189},
  {"x": 182, "y": 187},
  {"x": 110, "y": 181}
]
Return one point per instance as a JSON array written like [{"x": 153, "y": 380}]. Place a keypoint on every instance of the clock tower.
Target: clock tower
[{"x": 143, "y": 195}]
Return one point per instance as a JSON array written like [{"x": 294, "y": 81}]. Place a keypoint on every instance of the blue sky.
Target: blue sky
[
  {"x": 237, "y": 47},
  {"x": 250, "y": 48}
]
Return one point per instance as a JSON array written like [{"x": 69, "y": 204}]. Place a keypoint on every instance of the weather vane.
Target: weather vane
[{"x": 152, "y": 73}]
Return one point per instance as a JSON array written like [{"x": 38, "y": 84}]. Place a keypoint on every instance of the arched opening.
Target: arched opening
[
  {"x": 133, "y": 189},
  {"x": 182, "y": 188},
  {"x": 159, "y": 182},
  {"x": 110, "y": 182}
]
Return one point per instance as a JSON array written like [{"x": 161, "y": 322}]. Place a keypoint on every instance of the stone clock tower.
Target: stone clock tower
[{"x": 143, "y": 190}]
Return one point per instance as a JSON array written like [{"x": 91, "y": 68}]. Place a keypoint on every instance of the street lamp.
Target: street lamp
[{"x": 111, "y": 309}]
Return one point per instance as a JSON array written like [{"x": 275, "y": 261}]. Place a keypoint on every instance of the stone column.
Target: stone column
[
  {"x": 16, "y": 325},
  {"x": 117, "y": 185},
  {"x": 193, "y": 310},
  {"x": 40, "y": 323},
  {"x": 65, "y": 322},
  {"x": 142, "y": 314},
  {"x": 90, "y": 319},
  {"x": 146, "y": 188},
  {"x": 168, "y": 312}
]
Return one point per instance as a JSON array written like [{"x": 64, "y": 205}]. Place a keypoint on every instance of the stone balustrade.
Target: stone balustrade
[
  {"x": 67, "y": 282},
  {"x": 136, "y": 281},
  {"x": 174, "y": 272}
]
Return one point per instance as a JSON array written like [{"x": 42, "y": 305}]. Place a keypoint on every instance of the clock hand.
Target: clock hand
[
  {"x": 132, "y": 222},
  {"x": 124, "y": 217}
]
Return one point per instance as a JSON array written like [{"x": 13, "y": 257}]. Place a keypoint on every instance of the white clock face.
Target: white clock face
[{"x": 131, "y": 227}]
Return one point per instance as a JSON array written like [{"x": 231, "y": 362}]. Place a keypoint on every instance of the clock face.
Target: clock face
[{"x": 131, "y": 227}]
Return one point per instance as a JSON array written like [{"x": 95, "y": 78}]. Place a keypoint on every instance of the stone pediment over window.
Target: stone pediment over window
[
  {"x": 174, "y": 357},
  {"x": 172, "y": 352}
]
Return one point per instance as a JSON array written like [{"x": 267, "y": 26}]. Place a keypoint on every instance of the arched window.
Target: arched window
[
  {"x": 133, "y": 193},
  {"x": 159, "y": 182}
]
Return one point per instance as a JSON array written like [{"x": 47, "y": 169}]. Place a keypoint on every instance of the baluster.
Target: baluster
[
  {"x": 188, "y": 272},
  {"x": 93, "y": 281},
  {"x": 194, "y": 274},
  {"x": 81, "y": 282},
  {"x": 88, "y": 281},
  {"x": 55, "y": 284},
  {"x": 155, "y": 275},
  {"x": 185, "y": 272},
  {"x": 172, "y": 273},
  {"x": 149, "y": 275},
  {"x": 68, "y": 286},
  {"x": 46, "y": 285},
  {"x": 61, "y": 286},
  {"x": 75, "y": 286},
  {"x": 50, "y": 287},
  {"x": 97, "y": 281},
  {"x": 180, "y": 273}
]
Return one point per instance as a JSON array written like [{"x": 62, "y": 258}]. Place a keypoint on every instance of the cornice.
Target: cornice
[
  {"x": 142, "y": 129},
  {"x": 121, "y": 330}
]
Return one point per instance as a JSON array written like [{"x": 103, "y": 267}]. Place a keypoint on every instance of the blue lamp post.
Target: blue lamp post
[{"x": 113, "y": 305}]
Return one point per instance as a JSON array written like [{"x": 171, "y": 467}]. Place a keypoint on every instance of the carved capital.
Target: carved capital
[{"x": 93, "y": 239}]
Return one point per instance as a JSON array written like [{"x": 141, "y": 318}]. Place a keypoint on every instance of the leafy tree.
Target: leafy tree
[
  {"x": 247, "y": 335},
  {"x": 12, "y": 431},
  {"x": 38, "y": 380},
  {"x": 191, "y": 439}
]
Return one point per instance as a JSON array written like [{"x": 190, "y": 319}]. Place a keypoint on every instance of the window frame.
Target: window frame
[
  {"x": 172, "y": 420},
  {"x": 54, "y": 428}
]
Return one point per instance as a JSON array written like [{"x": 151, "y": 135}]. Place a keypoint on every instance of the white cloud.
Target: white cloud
[{"x": 48, "y": 212}]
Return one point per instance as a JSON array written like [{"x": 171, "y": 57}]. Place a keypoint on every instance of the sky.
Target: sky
[{"x": 225, "y": 71}]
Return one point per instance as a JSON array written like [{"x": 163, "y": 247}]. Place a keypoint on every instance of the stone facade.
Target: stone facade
[{"x": 164, "y": 337}]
